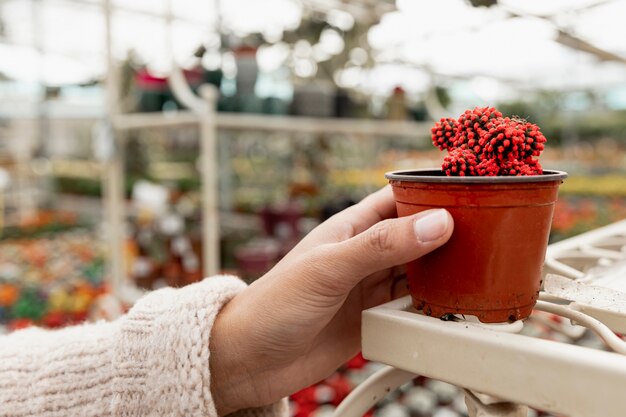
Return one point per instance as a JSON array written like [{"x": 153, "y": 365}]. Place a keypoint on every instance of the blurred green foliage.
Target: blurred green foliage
[{"x": 561, "y": 126}]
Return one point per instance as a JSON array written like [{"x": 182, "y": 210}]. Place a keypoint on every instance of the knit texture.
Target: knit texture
[{"x": 154, "y": 361}]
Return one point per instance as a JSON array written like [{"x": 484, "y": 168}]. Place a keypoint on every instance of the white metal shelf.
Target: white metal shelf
[
  {"x": 298, "y": 124},
  {"x": 586, "y": 259},
  {"x": 557, "y": 377}
]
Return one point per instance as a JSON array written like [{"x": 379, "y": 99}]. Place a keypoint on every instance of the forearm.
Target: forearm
[
  {"x": 152, "y": 362},
  {"x": 58, "y": 373}
]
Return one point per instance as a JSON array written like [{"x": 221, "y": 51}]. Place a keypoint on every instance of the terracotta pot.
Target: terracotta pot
[{"x": 491, "y": 267}]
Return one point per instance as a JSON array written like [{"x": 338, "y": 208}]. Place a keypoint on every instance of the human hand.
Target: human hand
[{"x": 299, "y": 322}]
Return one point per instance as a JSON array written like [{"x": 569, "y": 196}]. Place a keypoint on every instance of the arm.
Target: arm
[
  {"x": 153, "y": 361},
  {"x": 289, "y": 329}
]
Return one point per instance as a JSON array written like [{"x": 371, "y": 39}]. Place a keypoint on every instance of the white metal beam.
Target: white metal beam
[
  {"x": 556, "y": 377},
  {"x": 298, "y": 124}
]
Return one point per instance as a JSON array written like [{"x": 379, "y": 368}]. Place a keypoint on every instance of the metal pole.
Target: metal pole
[
  {"x": 205, "y": 107},
  {"x": 209, "y": 171},
  {"x": 113, "y": 173},
  {"x": 26, "y": 203},
  {"x": 372, "y": 390}
]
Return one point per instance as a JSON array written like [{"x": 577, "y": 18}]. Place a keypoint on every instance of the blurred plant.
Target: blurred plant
[
  {"x": 309, "y": 29},
  {"x": 331, "y": 41},
  {"x": 574, "y": 215},
  {"x": 520, "y": 109},
  {"x": 483, "y": 3},
  {"x": 549, "y": 109},
  {"x": 443, "y": 96},
  {"x": 603, "y": 186},
  {"x": 50, "y": 281}
]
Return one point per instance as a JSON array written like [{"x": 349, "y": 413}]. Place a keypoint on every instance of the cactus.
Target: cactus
[{"x": 483, "y": 143}]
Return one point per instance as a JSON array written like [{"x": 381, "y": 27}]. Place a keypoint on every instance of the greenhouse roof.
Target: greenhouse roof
[{"x": 516, "y": 44}]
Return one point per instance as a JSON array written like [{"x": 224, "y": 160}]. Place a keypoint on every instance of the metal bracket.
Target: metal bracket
[{"x": 481, "y": 405}]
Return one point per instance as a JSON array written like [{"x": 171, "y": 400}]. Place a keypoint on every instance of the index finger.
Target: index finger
[
  {"x": 352, "y": 221},
  {"x": 372, "y": 209}
]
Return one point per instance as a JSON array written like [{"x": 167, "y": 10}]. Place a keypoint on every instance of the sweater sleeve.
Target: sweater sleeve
[{"x": 154, "y": 361}]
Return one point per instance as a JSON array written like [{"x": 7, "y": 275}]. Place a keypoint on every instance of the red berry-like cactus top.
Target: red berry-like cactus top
[{"x": 483, "y": 143}]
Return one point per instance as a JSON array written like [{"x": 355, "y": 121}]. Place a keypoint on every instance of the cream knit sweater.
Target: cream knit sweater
[{"x": 154, "y": 361}]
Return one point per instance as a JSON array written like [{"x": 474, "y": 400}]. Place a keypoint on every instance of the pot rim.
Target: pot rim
[{"x": 435, "y": 175}]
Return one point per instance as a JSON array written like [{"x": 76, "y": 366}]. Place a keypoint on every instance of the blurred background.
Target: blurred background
[{"x": 146, "y": 143}]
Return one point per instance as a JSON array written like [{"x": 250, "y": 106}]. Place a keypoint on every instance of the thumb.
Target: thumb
[{"x": 389, "y": 243}]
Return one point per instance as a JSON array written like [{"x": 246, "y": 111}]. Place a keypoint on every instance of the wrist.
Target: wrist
[{"x": 231, "y": 381}]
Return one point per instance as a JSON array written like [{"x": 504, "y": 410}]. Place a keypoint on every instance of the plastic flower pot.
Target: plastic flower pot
[{"x": 491, "y": 266}]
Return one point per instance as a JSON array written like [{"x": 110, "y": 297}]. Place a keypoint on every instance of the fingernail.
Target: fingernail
[{"x": 432, "y": 226}]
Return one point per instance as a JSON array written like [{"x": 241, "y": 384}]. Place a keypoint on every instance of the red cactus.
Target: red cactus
[
  {"x": 522, "y": 168},
  {"x": 507, "y": 139},
  {"x": 512, "y": 167},
  {"x": 482, "y": 142},
  {"x": 444, "y": 132},
  {"x": 535, "y": 140},
  {"x": 471, "y": 124},
  {"x": 460, "y": 162},
  {"x": 487, "y": 168}
]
